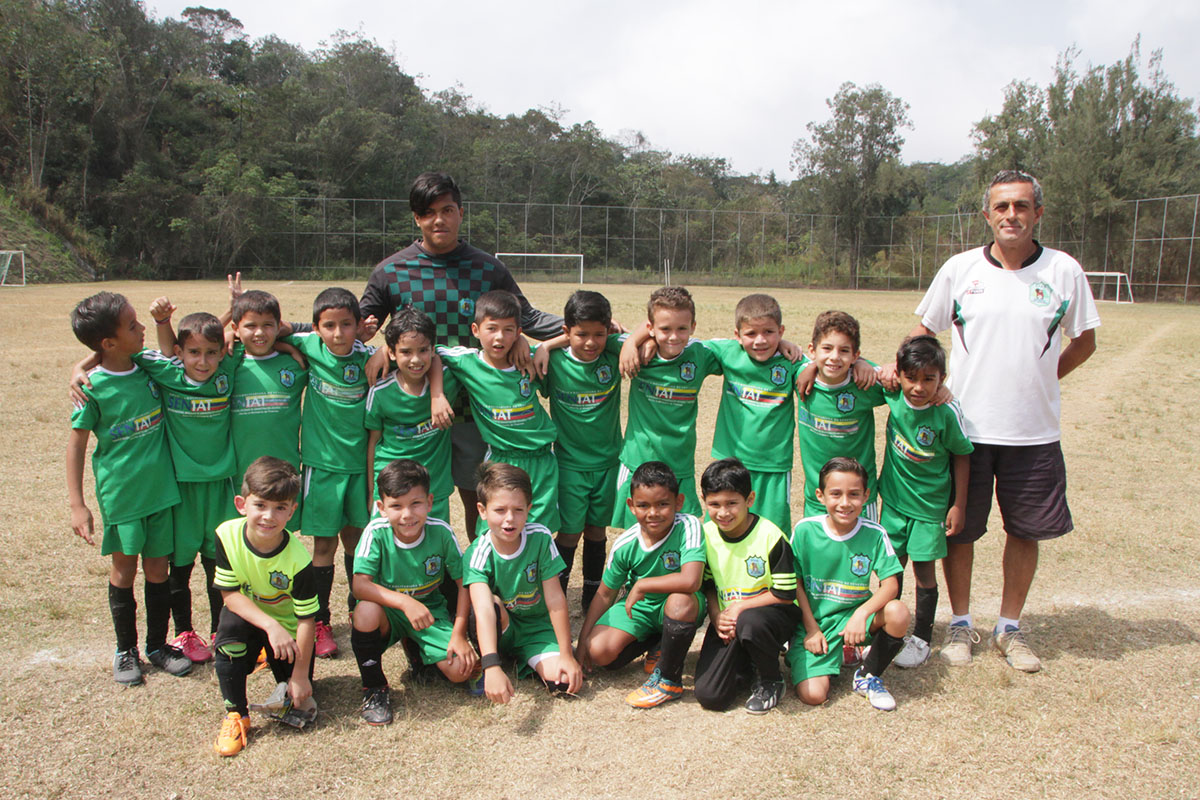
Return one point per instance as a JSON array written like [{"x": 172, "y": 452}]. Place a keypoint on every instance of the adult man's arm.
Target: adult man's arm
[
  {"x": 538, "y": 324},
  {"x": 1077, "y": 351}
]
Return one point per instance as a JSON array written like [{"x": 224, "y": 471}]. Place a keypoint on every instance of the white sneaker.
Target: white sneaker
[
  {"x": 915, "y": 653},
  {"x": 872, "y": 688}
]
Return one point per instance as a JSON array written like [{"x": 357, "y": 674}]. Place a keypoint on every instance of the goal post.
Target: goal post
[
  {"x": 578, "y": 256},
  {"x": 1101, "y": 281},
  {"x": 12, "y": 267}
]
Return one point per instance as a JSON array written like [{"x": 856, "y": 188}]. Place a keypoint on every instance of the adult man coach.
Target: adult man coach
[
  {"x": 1009, "y": 303},
  {"x": 443, "y": 277}
]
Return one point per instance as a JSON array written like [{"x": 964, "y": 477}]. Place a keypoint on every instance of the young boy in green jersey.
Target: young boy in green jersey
[
  {"x": 511, "y": 572},
  {"x": 515, "y": 426},
  {"x": 750, "y": 584},
  {"x": 835, "y": 554},
  {"x": 401, "y": 561},
  {"x": 135, "y": 480},
  {"x": 658, "y": 564},
  {"x": 399, "y": 414},
  {"x": 917, "y": 482},
  {"x": 265, "y": 576}
]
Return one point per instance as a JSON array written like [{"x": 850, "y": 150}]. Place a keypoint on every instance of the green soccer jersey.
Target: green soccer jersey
[
  {"x": 415, "y": 569},
  {"x": 837, "y": 421},
  {"x": 755, "y": 420},
  {"x": 266, "y": 407},
  {"x": 503, "y": 401},
  {"x": 198, "y": 418},
  {"x": 585, "y": 403},
  {"x": 758, "y": 562},
  {"x": 280, "y": 582},
  {"x": 131, "y": 461},
  {"x": 332, "y": 436},
  {"x": 631, "y": 559},
  {"x": 917, "y": 475},
  {"x": 835, "y": 571},
  {"x": 662, "y": 410},
  {"x": 516, "y": 579},
  {"x": 406, "y": 428}
]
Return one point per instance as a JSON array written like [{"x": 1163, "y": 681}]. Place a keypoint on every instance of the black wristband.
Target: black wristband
[{"x": 490, "y": 660}]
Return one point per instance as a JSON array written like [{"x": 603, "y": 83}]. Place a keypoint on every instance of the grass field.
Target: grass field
[{"x": 1114, "y": 614}]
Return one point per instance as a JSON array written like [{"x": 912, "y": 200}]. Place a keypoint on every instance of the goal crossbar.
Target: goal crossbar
[
  {"x": 548, "y": 255},
  {"x": 1117, "y": 278}
]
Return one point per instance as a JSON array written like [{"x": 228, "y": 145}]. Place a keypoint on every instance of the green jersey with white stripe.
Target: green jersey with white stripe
[
  {"x": 755, "y": 419},
  {"x": 917, "y": 475},
  {"x": 405, "y": 423},
  {"x": 585, "y": 403},
  {"x": 516, "y": 579},
  {"x": 632, "y": 558},
  {"x": 266, "y": 407},
  {"x": 415, "y": 569},
  {"x": 837, "y": 421},
  {"x": 503, "y": 401},
  {"x": 332, "y": 436},
  {"x": 835, "y": 570}
]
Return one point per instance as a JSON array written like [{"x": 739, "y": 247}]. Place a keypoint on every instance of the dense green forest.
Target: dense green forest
[{"x": 143, "y": 141}]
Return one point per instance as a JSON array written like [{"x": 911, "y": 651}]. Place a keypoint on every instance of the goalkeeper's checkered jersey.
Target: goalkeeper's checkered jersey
[
  {"x": 198, "y": 418},
  {"x": 835, "y": 570},
  {"x": 415, "y": 569},
  {"x": 332, "y": 436},
  {"x": 758, "y": 562},
  {"x": 837, "y": 421},
  {"x": 585, "y": 403},
  {"x": 503, "y": 401},
  {"x": 515, "y": 579},
  {"x": 131, "y": 462},
  {"x": 755, "y": 420},
  {"x": 279, "y": 582},
  {"x": 405, "y": 423},
  {"x": 632, "y": 559},
  {"x": 266, "y": 407},
  {"x": 917, "y": 475}
]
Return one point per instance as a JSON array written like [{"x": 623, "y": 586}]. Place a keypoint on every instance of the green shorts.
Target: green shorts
[
  {"x": 333, "y": 500},
  {"x": 804, "y": 665},
  {"x": 647, "y": 616},
  {"x": 585, "y": 498},
  {"x": 202, "y": 507},
  {"x": 915, "y": 538},
  {"x": 542, "y": 467},
  {"x": 529, "y": 641},
  {"x": 151, "y": 536},
  {"x": 431, "y": 641},
  {"x": 623, "y": 518},
  {"x": 773, "y": 497},
  {"x": 812, "y": 508}
]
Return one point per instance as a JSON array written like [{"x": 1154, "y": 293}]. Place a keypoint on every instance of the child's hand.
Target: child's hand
[
  {"x": 647, "y": 351},
  {"x": 791, "y": 351},
  {"x": 235, "y": 286},
  {"x": 519, "y": 357},
  {"x": 805, "y": 379},
  {"x": 460, "y": 648},
  {"x": 887, "y": 376},
  {"x": 616, "y": 327},
  {"x": 942, "y": 396},
  {"x": 377, "y": 366},
  {"x": 629, "y": 361},
  {"x": 299, "y": 689},
  {"x": 570, "y": 673},
  {"x": 161, "y": 310},
  {"x": 79, "y": 379},
  {"x": 636, "y": 593},
  {"x": 418, "y": 615},
  {"x": 230, "y": 340},
  {"x": 856, "y": 628},
  {"x": 583, "y": 653},
  {"x": 442, "y": 412},
  {"x": 865, "y": 376},
  {"x": 541, "y": 361},
  {"x": 497, "y": 686},
  {"x": 815, "y": 643},
  {"x": 955, "y": 518},
  {"x": 282, "y": 643},
  {"x": 727, "y": 622},
  {"x": 367, "y": 328},
  {"x": 82, "y": 524},
  {"x": 284, "y": 347}
]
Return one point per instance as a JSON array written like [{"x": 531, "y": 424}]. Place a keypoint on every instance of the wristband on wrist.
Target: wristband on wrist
[
  {"x": 162, "y": 321},
  {"x": 490, "y": 660}
]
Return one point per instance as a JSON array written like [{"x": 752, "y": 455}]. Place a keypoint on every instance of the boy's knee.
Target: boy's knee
[
  {"x": 813, "y": 693},
  {"x": 368, "y": 616},
  {"x": 325, "y": 545},
  {"x": 681, "y": 606},
  {"x": 156, "y": 569},
  {"x": 567, "y": 539},
  {"x": 895, "y": 617}
]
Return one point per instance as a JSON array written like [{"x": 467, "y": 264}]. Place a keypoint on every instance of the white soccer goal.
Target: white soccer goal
[
  {"x": 1102, "y": 280},
  {"x": 12, "y": 267},
  {"x": 578, "y": 256}
]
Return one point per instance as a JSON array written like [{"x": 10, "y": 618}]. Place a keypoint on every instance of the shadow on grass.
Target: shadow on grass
[{"x": 1090, "y": 632}]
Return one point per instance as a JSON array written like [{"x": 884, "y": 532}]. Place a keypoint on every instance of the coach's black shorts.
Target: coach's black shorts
[{"x": 1030, "y": 482}]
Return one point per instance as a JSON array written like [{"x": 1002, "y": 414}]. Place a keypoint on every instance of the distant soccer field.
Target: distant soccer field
[{"x": 1114, "y": 613}]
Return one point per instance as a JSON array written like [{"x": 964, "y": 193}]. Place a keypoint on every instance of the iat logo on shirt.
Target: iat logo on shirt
[
  {"x": 222, "y": 383},
  {"x": 287, "y": 378},
  {"x": 350, "y": 373},
  {"x": 531, "y": 573},
  {"x": 975, "y": 288},
  {"x": 756, "y": 567},
  {"x": 845, "y": 402},
  {"x": 433, "y": 565},
  {"x": 778, "y": 375},
  {"x": 279, "y": 580},
  {"x": 604, "y": 373},
  {"x": 860, "y": 564},
  {"x": 687, "y": 370}
]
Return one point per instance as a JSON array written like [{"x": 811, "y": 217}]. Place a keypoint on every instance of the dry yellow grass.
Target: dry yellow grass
[{"x": 1114, "y": 613}]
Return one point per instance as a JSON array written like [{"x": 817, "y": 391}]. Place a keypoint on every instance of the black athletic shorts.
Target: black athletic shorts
[{"x": 1030, "y": 483}]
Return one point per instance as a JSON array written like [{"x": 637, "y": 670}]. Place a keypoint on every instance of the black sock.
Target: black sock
[
  {"x": 215, "y": 601},
  {"x": 899, "y": 584},
  {"x": 231, "y": 677},
  {"x": 568, "y": 557},
  {"x": 677, "y": 637},
  {"x": 158, "y": 614},
  {"x": 348, "y": 561},
  {"x": 927, "y": 600},
  {"x": 323, "y": 577},
  {"x": 631, "y": 651},
  {"x": 180, "y": 579},
  {"x": 593, "y": 569},
  {"x": 884, "y": 648},
  {"x": 124, "y": 614}
]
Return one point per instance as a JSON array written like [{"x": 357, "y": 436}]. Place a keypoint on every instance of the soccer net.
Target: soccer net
[
  {"x": 12, "y": 267},
  {"x": 1101, "y": 281},
  {"x": 566, "y": 261}
]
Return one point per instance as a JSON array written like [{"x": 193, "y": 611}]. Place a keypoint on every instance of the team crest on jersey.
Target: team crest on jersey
[
  {"x": 778, "y": 375},
  {"x": 433, "y": 565},
  {"x": 756, "y": 567},
  {"x": 279, "y": 580},
  {"x": 466, "y": 307},
  {"x": 350, "y": 373},
  {"x": 925, "y": 436},
  {"x": 222, "y": 383},
  {"x": 153, "y": 389},
  {"x": 845, "y": 402},
  {"x": 531, "y": 573},
  {"x": 287, "y": 378},
  {"x": 860, "y": 564},
  {"x": 670, "y": 560},
  {"x": 1040, "y": 293},
  {"x": 687, "y": 370},
  {"x": 975, "y": 288},
  {"x": 604, "y": 373},
  {"x": 524, "y": 388}
]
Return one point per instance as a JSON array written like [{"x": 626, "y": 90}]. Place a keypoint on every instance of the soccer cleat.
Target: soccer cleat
[
  {"x": 475, "y": 682},
  {"x": 192, "y": 646},
  {"x": 853, "y": 654},
  {"x": 957, "y": 649},
  {"x": 764, "y": 696},
  {"x": 170, "y": 659},
  {"x": 127, "y": 667},
  {"x": 261, "y": 662},
  {"x": 377, "y": 706},
  {"x": 915, "y": 653},
  {"x": 872, "y": 688},
  {"x": 234, "y": 732},
  {"x": 325, "y": 646},
  {"x": 1016, "y": 650},
  {"x": 650, "y": 662},
  {"x": 654, "y": 692}
]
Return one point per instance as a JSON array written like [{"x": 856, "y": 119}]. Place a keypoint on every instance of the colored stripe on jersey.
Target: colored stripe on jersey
[
  {"x": 835, "y": 571},
  {"x": 416, "y": 569},
  {"x": 516, "y": 579},
  {"x": 631, "y": 559},
  {"x": 279, "y": 582},
  {"x": 757, "y": 563}
]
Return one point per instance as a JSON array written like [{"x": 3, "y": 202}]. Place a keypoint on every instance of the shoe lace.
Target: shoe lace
[
  {"x": 1016, "y": 641},
  {"x": 127, "y": 659},
  {"x": 962, "y": 634},
  {"x": 874, "y": 684},
  {"x": 231, "y": 728},
  {"x": 651, "y": 683}
]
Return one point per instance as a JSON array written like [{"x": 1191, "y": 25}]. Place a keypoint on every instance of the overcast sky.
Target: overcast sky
[{"x": 739, "y": 80}]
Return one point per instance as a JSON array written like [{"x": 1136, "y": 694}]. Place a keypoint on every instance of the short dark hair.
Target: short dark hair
[
  {"x": 654, "y": 473},
  {"x": 842, "y": 464},
  {"x": 1013, "y": 176},
  {"x": 839, "y": 322},
  {"x": 673, "y": 298},
  {"x": 255, "y": 301},
  {"x": 585, "y": 306},
  {"x": 920, "y": 352},
  {"x": 428, "y": 187},
  {"x": 400, "y": 477},
  {"x": 495, "y": 476},
  {"x": 497, "y": 304},
  {"x": 271, "y": 479},
  {"x": 335, "y": 297},
  {"x": 725, "y": 475},
  {"x": 202, "y": 324},
  {"x": 757, "y": 306},
  {"x": 409, "y": 319},
  {"x": 95, "y": 318}
]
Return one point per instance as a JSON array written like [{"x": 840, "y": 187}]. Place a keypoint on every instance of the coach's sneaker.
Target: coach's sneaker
[
  {"x": 654, "y": 692},
  {"x": 234, "y": 732},
  {"x": 325, "y": 646},
  {"x": 1017, "y": 652},
  {"x": 170, "y": 659},
  {"x": 377, "y": 706},
  {"x": 192, "y": 646},
  {"x": 914, "y": 654},
  {"x": 764, "y": 696},
  {"x": 127, "y": 667},
  {"x": 957, "y": 649},
  {"x": 872, "y": 688},
  {"x": 650, "y": 661}
]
